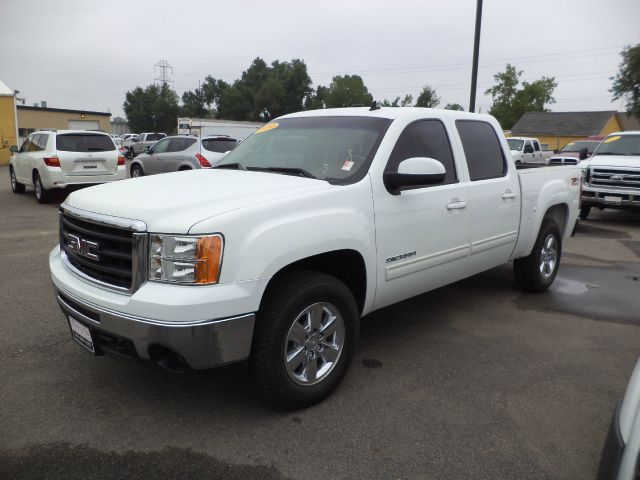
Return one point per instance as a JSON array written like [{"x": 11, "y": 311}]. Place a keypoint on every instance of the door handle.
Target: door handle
[
  {"x": 509, "y": 194},
  {"x": 456, "y": 204}
]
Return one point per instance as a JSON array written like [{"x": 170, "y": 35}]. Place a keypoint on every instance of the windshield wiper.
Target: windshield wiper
[
  {"x": 233, "y": 166},
  {"x": 286, "y": 170}
]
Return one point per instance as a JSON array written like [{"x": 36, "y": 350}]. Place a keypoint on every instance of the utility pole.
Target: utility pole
[
  {"x": 164, "y": 67},
  {"x": 476, "y": 52}
]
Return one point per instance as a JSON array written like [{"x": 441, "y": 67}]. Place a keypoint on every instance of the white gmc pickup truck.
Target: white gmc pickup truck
[{"x": 315, "y": 220}]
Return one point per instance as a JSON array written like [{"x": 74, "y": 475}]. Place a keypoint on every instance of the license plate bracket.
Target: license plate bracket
[
  {"x": 81, "y": 334},
  {"x": 611, "y": 200}
]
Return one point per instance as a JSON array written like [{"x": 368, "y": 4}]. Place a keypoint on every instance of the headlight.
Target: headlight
[{"x": 187, "y": 259}]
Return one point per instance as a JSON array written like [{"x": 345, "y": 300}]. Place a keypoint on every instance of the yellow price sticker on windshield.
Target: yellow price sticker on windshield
[
  {"x": 267, "y": 127},
  {"x": 612, "y": 139},
  {"x": 570, "y": 143}
]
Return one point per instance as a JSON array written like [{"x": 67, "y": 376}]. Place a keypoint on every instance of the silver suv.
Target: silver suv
[
  {"x": 55, "y": 159},
  {"x": 182, "y": 152}
]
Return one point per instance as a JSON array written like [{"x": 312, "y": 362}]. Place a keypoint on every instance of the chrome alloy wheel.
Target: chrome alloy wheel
[
  {"x": 548, "y": 256},
  {"x": 314, "y": 344}
]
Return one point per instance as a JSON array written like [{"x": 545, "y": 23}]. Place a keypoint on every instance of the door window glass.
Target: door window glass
[
  {"x": 482, "y": 150},
  {"x": 424, "y": 138},
  {"x": 536, "y": 146},
  {"x": 161, "y": 146},
  {"x": 180, "y": 144}
]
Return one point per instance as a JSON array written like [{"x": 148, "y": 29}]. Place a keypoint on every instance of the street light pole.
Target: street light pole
[{"x": 476, "y": 52}]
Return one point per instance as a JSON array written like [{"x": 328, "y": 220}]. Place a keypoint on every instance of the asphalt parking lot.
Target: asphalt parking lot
[{"x": 474, "y": 380}]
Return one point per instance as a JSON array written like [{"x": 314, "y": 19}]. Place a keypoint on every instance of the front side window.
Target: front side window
[
  {"x": 424, "y": 138},
  {"x": 84, "y": 142},
  {"x": 482, "y": 150},
  {"x": 26, "y": 145},
  {"x": 336, "y": 149},
  {"x": 161, "y": 147}
]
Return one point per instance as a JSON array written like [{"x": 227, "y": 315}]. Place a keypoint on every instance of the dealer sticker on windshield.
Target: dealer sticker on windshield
[
  {"x": 267, "y": 127},
  {"x": 612, "y": 139}
]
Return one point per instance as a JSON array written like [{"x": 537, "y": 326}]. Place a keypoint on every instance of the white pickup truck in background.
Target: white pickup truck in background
[
  {"x": 612, "y": 174},
  {"x": 528, "y": 150},
  {"x": 315, "y": 220}
]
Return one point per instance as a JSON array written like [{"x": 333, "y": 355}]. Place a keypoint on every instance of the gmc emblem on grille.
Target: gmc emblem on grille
[
  {"x": 82, "y": 247},
  {"x": 618, "y": 177}
]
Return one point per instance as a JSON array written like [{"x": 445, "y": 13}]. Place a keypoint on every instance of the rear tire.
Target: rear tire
[
  {"x": 16, "y": 186},
  {"x": 136, "y": 171},
  {"x": 536, "y": 272},
  {"x": 42, "y": 195},
  {"x": 305, "y": 335},
  {"x": 584, "y": 211}
]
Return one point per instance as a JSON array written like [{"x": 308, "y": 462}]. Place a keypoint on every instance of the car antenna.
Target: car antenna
[{"x": 374, "y": 106}]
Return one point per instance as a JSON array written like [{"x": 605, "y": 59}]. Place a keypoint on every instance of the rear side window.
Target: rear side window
[
  {"x": 180, "y": 144},
  {"x": 219, "y": 145},
  {"x": 481, "y": 149},
  {"x": 84, "y": 142},
  {"x": 424, "y": 138},
  {"x": 152, "y": 137},
  {"x": 536, "y": 147}
]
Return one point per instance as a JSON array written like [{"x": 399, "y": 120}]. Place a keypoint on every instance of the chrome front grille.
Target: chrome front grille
[
  {"x": 108, "y": 251},
  {"x": 614, "y": 177}
]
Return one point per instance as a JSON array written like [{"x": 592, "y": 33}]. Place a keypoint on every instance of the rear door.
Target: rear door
[
  {"x": 422, "y": 234},
  {"x": 87, "y": 153},
  {"x": 494, "y": 195},
  {"x": 537, "y": 152},
  {"x": 527, "y": 152}
]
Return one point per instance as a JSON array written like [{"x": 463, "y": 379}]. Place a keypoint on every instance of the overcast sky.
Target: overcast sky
[{"x": 87, "y": 54}]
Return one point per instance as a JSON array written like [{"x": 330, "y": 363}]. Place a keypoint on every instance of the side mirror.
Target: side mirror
[
  {"x": 528, "y": 149},
  {"x": 583, "y": 154},
  {"x": 414, "y": 172},
  {"x": 147, "y": 149},
  {"x": 14, "y": 149}
]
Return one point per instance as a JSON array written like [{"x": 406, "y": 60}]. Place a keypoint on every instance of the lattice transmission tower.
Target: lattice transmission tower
[{"x": 164, "y": 77}]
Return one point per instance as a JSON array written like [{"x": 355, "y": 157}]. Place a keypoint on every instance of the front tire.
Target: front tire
[
  {"x": 305, "y": 335},
  {"x": 136, "y": 171},
  {"x": 536, "y": 272},
  {"x": 584, "y": 211},
  {"x": 42, "y": 195},
  {"x": 16, "y": 186}
]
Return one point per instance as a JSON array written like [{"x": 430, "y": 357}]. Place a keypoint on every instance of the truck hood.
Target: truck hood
[
  {"x": 611, "y": 161},
  {"x": 174, "y": 202}
]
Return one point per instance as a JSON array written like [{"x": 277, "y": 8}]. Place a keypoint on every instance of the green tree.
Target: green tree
[
  {"x": 194, "y": 104},
  {"x": 626, "y": 83},
  {"x": 152, "y": 109},
  {"x": 407, "y": 100},
  {"x": 510, "y": 102},
  {"x": 428, "y": 98},
  {"x": 454, "y": 106},
  {"x": 387, "y": 103},
  {"x": 262, "y": 92},
  {"x": 347, "y": 90},
  {"x": 316, "y": 99}
]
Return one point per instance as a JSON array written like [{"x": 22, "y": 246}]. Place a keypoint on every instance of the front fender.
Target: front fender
[{"x": 261, "y": 240}]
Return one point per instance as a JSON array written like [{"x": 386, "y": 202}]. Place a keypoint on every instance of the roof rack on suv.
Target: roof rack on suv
[{"x": 47, "y": 129}]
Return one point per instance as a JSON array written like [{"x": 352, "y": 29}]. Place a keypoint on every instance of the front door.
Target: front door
[
  {"x": 422, "y": 234},
  {"x": 154, "y": 161}
]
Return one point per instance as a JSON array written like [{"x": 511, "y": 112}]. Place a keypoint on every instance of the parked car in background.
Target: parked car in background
[
  {"x": 527, "y": 150},
  {"x": 181, "y": 152},
  {"x": 57, "y": 159},
  {"x": 116, "y": 139},
  {"x": 612, "y": 174},
  {"x": 619, "y": 459},
  {"x": 313, "y": 221},
  {"x": 573, "y": 152},
  {"x": 143, "y": 140}
]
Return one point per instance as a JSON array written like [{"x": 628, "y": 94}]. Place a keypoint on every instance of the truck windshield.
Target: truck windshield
[
  {"x": 619, "y": 145},
  {"x": 578, "y": 146},
  {"x": 336, "y": 149},
  {"x": 515, "y": 144}
]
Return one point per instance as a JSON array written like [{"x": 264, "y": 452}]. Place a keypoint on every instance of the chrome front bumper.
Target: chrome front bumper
[{"x": 202, "y": 344}]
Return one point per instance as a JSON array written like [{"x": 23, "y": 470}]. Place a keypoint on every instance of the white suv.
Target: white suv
[{"x": 57, "y": 159}]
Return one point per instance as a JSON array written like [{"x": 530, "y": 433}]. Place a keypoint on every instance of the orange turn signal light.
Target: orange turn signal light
[{"x": 209, "y": 256}]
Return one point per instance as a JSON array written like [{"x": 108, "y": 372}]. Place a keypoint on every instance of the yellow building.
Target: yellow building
[
  {"x": 559, "y": 128},
  {"x": 35, "y": 118},
  {"x": 8, "y": 124}
]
